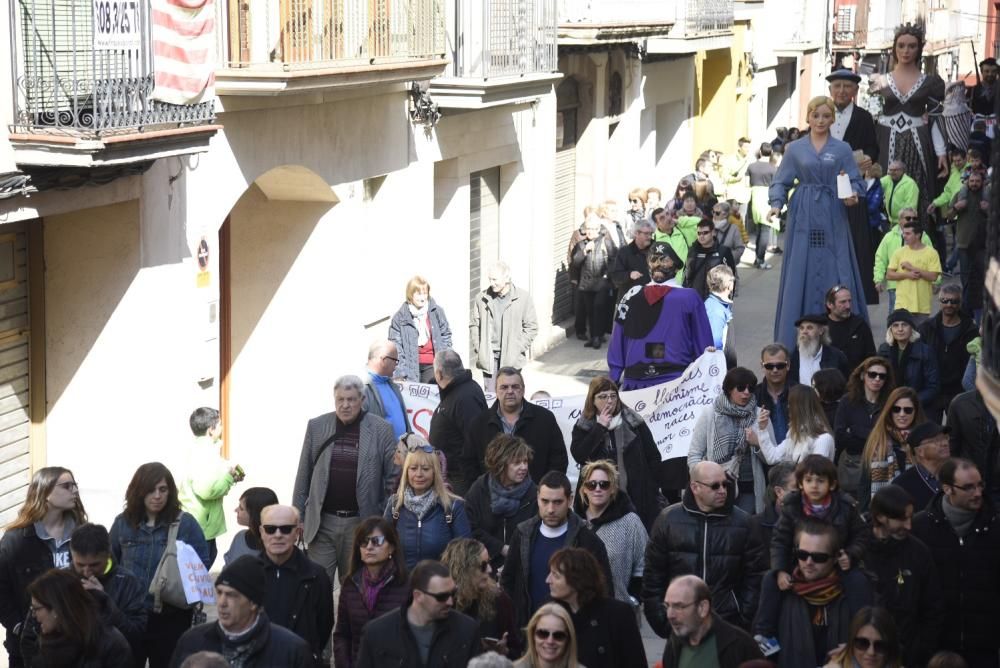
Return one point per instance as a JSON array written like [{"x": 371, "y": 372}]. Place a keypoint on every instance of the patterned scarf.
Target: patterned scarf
[
  {"x": 731, "y": 422},
  {"x": 421, "y": 504},
  {"x": 818, "y": 593},
  {"x": 371, "y": 586},
  {"x": 505, "y": 501},
  {"x": 820, "y": 510}
]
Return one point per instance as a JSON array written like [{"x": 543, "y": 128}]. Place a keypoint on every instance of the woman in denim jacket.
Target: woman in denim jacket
[{"x": 138, "y": 540}]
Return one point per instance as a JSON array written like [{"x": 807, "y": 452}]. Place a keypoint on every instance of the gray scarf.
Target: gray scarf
[
  {"x": 959, "y": 518},
  {"x": 421, "y": 504},
  {"x": 731, "y": 421},
  {"x": 505, "y": 501}
]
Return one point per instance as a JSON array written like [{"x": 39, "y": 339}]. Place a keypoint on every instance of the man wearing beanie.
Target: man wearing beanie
[{"x": 243, "y": 634}]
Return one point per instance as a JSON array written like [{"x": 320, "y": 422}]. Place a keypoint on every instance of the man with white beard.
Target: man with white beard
[{"x": 813, "y": 350}]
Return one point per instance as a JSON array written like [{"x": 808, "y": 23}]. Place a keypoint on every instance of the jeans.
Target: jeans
[
  {"x": 763, "y": 230},
  {"x": 331, "y": 548},
  {"x": 892, "y": 299}
]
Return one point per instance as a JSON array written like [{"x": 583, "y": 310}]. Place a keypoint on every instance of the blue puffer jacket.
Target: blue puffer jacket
[
  {"x": 917, "y": 369},
  {"x": 139, "y": 549},
  {"x": 427, "y": 538}
]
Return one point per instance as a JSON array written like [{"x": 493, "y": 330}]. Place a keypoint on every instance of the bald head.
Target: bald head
[
  {"x": 691, "y": 586},
  {"x": 383, "y": 357},
  {"x": 280, "y": 531},
  {"x": 279, "y": 514},
  {"x": 705, "y": 469},
  {"x": 708, "y": 486}
]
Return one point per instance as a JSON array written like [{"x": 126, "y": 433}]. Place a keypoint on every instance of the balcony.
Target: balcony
[
  {"x": 586, "y": 22},
  {"x": 699, "y": 25},
  {"x": 287, "y": 46},
  {"x": 504, "y": 53},
  {"x": 85, "y": 90},
  {"x": 802, "y": 24}
]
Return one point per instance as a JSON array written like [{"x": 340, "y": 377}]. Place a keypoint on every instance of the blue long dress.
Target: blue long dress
[{"x": 819, "y": 251}]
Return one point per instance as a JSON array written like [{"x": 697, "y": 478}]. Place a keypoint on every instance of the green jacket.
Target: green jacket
[
  {"x": 951, "y": 188},
  {"x": 688, "y": 225},
  {"x": 891, "y": 242},
  {"x": 679, "y": 243},
  {"x": 898, "y": 196},
  {"x": 206, "y": 482}
]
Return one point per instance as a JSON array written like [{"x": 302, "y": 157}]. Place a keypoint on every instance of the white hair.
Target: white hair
[
  {"x": 349, "y": 382},
  {"x": 499, "y": 269}
]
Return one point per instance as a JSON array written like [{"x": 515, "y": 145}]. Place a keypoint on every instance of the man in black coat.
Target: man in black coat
[
  {"x": 983, "y": 96},
  {"x": 706, "y": 252},
  {"x": 462, "y": 401},
  {"x": 298, "y": 589},
  {"x": 929, "y": 450},
  {"x": 974, "y": 435},
  {"x": 962, "y": 530},
  {"x": 630, "y": 267},
  {"x": 705, "y": 534},
  {"x": 948, "y": 333},
  {"x": 903, "y": 575},
  {"x": 814, "y": 351},
  {"x": 424, "y": 632},
  {"x": 511, "y": 414},
  {"x": 849, "y": 333},
  {"x": 852, "y": 124}
]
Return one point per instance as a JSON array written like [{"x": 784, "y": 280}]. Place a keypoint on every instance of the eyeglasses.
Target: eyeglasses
[
  {"x": 373, "y": 541},
  {"x": 861, "y": 644},
  {"x": 714, "y": 486},
  {"x": 817, "y": 557},
  {"x": 413, "y": 447},
  {"x": 875, "y": 375},
  {"x": 594, "y": 484},
  {"x": 36, "y": 608},
  {"x": 680, "y": 607},
  {"x": 775, "y": 366},
  {"x": 441, "y": 596},
  {"x": 971, "y": 486},
  {"x": 950, "y": 302},
  {"x": 903, "y": 409},
  {"x": 68, "y": 486},
  {"x": 746, "y": 387},
  {"x": 285, "y": 529},
  {"x": 394, "y": 359},
  {"x": 484, "y": 566},
  {"x": 606, "y": 396},
  {"x": 545, "y": 634}
]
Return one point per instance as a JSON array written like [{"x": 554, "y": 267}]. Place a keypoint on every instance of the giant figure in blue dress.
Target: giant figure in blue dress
[{"x": 819, "y": 251}]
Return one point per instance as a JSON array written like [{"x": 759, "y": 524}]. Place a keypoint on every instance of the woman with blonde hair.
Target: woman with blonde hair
[
  {"x": 809, "y": 433},
  {"x": 884, "y": 456},
  {"x": 427, "y": 516},
  {"x": 820, "y": 250},
  {"x": 419, "y": 329},
  {"x": 480, "y": 597},
  {"x": 551, "y": 640},
  {"x": 37, "y": 540}
]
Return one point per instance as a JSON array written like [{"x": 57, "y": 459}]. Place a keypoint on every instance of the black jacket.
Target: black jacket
[
  {"x": 388, "y": 641},
  {"x": 951, "y": 357},
  {"x": 853, "y": 337},
  {"x": 310, "y": 615},
  {"x": 720, "y": 547},
  {"x": 700, "y": 260},
  {"x": 906, "y": 584},
  {"x": 860, "y": 134},
  {"x": 607, "y": 635},
  {"x": 492, "y": 530},
  {"x": 764, "y": 523},
  {"x": 640, "y": 455},
  {"x": 593, "y": 267},
  {"x": 918, "y": 369},
  {"x": 969, "y": 571},
  {"x": 843, "y": 515},
  {"x": 914, "y": 484},
  {"x": 462, "y": 401},
  {"x": 270, "y": 645},
  {"x": 536, "y": 425},
  {"x": 110, "y": 651},
  {"x": 829, "y": 358},
  {"x": 733, "y": 644},
  {"x": 974, "y": 434},
  {"x": 23, "y": 557},
  {"x": 516, "y": 577},
  {"x": 853, "y": 424},
  {"x": 629, "y": 259}
]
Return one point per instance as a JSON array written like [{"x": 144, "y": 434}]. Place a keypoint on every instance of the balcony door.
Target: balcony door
[
  {"x": 565, "y": 210},
  {"x": 484, "y": 228}
]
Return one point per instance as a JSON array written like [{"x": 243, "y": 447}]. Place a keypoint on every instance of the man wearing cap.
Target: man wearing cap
[
  {"x": 243, "y": 634},
  {"x": 814, "y": 350},
  {"x": 659, "y": 328},
  {"x": 851, "y": 124},
  {"x": 929, "y": 448}
]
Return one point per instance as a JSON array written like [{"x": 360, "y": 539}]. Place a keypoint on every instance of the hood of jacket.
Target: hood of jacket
[{"x": 617, "y": 509}]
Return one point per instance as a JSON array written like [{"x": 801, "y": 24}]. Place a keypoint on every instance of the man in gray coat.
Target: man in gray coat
[
  {"x": 503, "y": 325},
  {"x": 345, "y": 471}
]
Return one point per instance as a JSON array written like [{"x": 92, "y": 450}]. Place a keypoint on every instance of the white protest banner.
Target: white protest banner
[
  {"x": 198, "y": 585},
  {"x": 669, "y": 409}
]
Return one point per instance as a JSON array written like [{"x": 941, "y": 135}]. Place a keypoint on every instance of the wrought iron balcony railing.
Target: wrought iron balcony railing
[
  {"x": 706, "y": 16},
  {"x": 85, "y": 75},
  {"x": 505, "y": 38},
  {"x": 617, "y": 12},
  {"x": 324, "y": 34}
]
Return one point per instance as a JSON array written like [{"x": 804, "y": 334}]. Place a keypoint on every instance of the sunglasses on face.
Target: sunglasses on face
[
  {"x": 594, "y": 484},
  {"x": 285, "y": 529},
  {"x": 714, "y": 486},
  {"x": 903, "y": 409},
  {"x": 875, "y": 375},
  {"x": 949, "y": 302},
  {"x": 545, "y": 634},
  {"x": 440, "y": 597},
  {"x": 776, "y": 366},
  {"x": 861, "y": 644},
  {"x": 746, "y": 387},
  {"x": 373, "y": 541},
  {"x": 817, "y": 557},
  {"x": 908, "y": 218}
]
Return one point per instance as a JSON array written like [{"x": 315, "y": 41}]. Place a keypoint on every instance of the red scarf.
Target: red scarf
[{"x": 818, "y": 593}]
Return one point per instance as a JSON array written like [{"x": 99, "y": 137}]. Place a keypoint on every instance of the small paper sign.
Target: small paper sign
[
  {"x": 844, "y": 189},
  {"x": 198, "y": 585}
]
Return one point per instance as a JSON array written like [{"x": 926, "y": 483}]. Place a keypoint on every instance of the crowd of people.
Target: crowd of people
[{"x": 838, "y": 511}]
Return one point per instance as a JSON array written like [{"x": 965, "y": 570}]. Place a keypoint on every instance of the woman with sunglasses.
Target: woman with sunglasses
[
  {"x": 551, "y": 640},
  {"x": 808, "y": 430},
  {"x": 37, "y": 540},
  {"x": 914, "y": 363},
  {"x": 248, "y": 540},
  {"x": 868, "y": 389},
  {"x": 871, "y": 642},
  {"x": 609, "y": 430},
  {"x": 608, "y": 509},
  {"x": 725, "y": 435},
  {"x": 427, "y": 516},
  {"x": 480, "y": 597},
  {"x": 139, "y": 538},
  {"x": 611, "y": 638},
  {"x": 71, "y": 630},
  {"x": 376, "y": 585},
  {"x": 884, "y": 456}
]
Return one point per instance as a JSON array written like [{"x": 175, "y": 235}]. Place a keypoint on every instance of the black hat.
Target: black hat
[
  {"x": 664, "y": 248},
  {"x": 843, "y": 74},
  {"x": 900, "y": 315},
  {"x": 245, "y": 575},
  {"x": 924, "y": 431},
  {"x": 818, "y": 318}
]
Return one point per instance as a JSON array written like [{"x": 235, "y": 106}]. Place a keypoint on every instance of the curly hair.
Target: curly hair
[
  {"x": 856, "y": 382},
  {"x": 504, "y": 449},
  {"x": 36, "y": 503},
  {"x": 582, "y": 573},
  {"x": 462, "y": 557}
]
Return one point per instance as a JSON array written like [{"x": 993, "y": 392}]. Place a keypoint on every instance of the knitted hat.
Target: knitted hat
[
  {"x": 245, "y": 575},
  {"x": 900, "y": 315}
]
